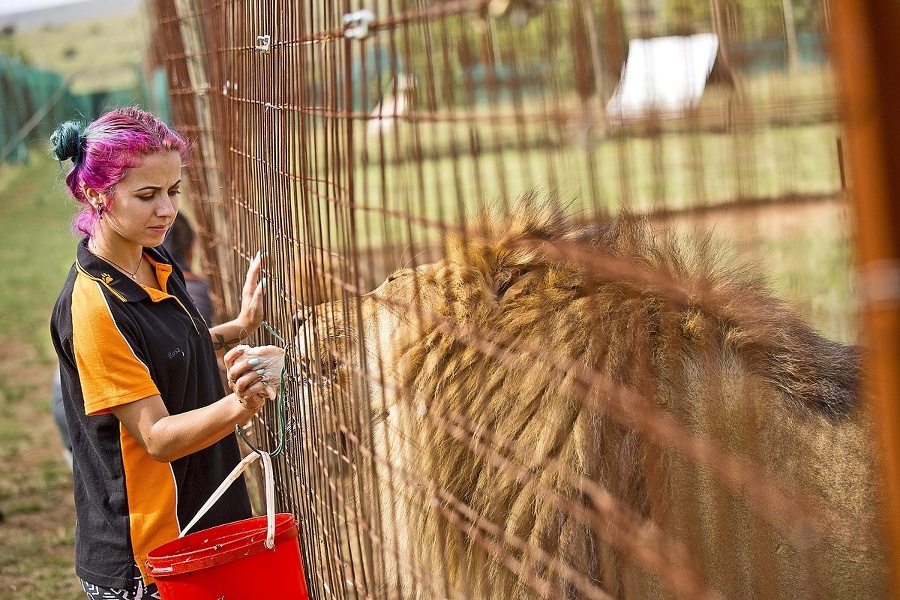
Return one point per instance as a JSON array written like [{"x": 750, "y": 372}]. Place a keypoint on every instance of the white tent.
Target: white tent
[{"x": 663, "y": 75}]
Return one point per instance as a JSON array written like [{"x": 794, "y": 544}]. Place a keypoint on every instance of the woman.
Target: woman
[{"x": 150, "y": 424}]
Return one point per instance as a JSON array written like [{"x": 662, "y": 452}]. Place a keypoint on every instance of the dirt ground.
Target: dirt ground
[{"x": 37, "y": 554}]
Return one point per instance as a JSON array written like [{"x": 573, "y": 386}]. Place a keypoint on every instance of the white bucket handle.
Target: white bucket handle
[{"x": 235, "y": 473}]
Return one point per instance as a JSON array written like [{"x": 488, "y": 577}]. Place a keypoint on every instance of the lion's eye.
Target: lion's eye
[
  {"x": 501, "y": 289},
  {"x": 510, "y": 279}
]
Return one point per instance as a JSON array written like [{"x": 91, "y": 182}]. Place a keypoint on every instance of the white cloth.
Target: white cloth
[
  {"x": 663, "y": 75},
  {"x": 270, "y": 359}
]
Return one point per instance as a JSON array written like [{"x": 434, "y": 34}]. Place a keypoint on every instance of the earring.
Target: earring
[{"x": 100, "y": 209}]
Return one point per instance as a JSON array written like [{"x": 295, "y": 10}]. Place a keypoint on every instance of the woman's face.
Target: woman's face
[{"x": 145, "y": 202}]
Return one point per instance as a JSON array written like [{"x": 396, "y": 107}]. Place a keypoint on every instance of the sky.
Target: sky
[
  {"x": 9, "y": 7},
  {"x": 38, "y": 13}
]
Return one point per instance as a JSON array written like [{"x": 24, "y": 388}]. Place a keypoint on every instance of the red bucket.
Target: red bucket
[{"x": 231, "y": 561}]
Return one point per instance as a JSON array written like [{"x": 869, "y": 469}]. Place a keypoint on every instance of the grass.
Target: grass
[
  {"x": 38, "y": 248},
  {"x": 814, "y": 272},
  {"x": 36, "y": 558},
  {"x": 676, "y": 167},
  {"x": 775, "y": 147}
]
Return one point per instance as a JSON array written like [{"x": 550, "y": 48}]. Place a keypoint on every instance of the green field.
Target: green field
[{"x": 36, "y": 251}]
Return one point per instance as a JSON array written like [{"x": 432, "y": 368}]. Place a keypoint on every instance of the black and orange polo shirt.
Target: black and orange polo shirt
[{"x": 118, "y": 342}]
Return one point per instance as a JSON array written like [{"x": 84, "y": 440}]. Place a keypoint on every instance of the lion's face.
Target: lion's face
[
  {"x": 353, "y": 344},
  {"x": 358, "y": 347}
]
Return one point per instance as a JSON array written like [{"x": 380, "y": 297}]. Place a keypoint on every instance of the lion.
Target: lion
[{"x": 561, "y": 409}]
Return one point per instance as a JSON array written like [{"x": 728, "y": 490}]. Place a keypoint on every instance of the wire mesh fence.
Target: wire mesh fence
[{"x": 567, "y": 385}]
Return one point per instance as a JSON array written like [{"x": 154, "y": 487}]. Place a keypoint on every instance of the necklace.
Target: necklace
[{"x": 120, "y": 267}]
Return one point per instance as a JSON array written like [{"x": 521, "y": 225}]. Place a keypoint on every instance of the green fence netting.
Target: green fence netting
[{"x": 33, "y": 101}]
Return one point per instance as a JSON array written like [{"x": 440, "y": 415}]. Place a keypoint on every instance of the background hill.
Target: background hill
[{"x": 100, "y": 43}]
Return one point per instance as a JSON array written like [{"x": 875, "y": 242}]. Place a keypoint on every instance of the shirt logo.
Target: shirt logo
[{"x": 176, "y": 352}]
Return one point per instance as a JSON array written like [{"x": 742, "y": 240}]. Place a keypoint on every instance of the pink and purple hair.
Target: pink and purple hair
[{"x": 102, "y": 151}]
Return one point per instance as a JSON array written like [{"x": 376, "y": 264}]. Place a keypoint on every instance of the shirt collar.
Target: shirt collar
[{"x": 117, "y": 282}]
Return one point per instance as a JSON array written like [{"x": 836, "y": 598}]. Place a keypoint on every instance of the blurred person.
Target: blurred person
[
  {"x": 151, "y": 427},
  {"x": 180, "y": 243},
  {"x": 59, "y": 417}
]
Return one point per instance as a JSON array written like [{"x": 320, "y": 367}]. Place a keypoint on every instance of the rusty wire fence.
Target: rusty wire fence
[{"x": 645, "y": 428}]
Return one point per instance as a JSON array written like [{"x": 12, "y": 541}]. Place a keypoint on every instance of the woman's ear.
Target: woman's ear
[{"x": 95, "y": 198}]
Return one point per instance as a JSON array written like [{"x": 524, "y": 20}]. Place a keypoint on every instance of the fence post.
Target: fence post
[{"x": 866, "y": 44}]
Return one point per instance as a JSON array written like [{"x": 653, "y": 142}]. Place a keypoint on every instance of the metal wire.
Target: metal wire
[{"x": 279, "y": 408}]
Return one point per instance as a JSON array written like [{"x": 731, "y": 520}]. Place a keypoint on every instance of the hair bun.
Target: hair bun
[{"x": 68, "y": 141}]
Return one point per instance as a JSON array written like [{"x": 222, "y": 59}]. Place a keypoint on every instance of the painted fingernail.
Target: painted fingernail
[
  {"x": 253, "y": 361},
  {"x": 260, "y": 371},
  {"x": 262, "y": 282}
]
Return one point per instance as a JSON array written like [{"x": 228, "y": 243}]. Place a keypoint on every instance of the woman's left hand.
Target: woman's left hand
[
  {"x": 251, "y": 315},
  {"x": 255, "y": 370}
]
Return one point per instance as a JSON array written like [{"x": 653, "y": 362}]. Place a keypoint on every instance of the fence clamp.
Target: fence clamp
[
  {"x": 263, "y": 43},
  {"x": 356, "y": 24}
]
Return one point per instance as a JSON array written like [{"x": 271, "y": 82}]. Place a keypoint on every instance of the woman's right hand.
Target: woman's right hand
[
  {"x": 252, "y": 311},
  {"x": 254, "y": 373}
]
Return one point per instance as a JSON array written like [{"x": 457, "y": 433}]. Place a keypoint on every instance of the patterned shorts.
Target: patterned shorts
[{"x": 137, "y": 591}]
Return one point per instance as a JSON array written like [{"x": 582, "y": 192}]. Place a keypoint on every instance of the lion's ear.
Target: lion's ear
[{"x": 510, "y": 283}]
